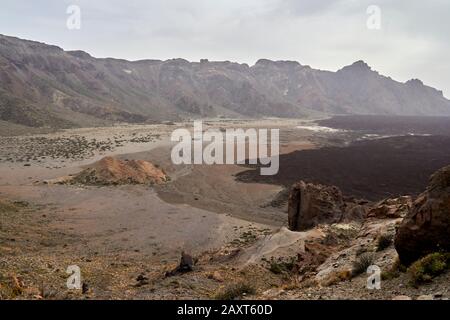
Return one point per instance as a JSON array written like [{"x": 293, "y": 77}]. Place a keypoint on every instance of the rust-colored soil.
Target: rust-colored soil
[{"x": 112, "y": 171}]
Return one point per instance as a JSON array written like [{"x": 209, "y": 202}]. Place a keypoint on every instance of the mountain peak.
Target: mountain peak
[
  {"x": 358, "y": 65},
  {"x": 414, "y": 82},
  {"x": 278, "y": 63},
  {"x": 79, "y": 54}
]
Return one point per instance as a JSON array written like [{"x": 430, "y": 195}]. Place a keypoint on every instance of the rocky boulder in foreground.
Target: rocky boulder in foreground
[
  {"x": 426, "y": 228},
  {"x": 311, "y": 204}
]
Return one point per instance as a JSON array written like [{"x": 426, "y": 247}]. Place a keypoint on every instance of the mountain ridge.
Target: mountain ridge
[{"x": 43, "y": 85}]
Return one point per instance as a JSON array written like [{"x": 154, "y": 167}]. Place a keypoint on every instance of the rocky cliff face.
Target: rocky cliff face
[
  {"x": 312, "y": 204},
  {"x": 425, "y": 223},
  {"x": 44, "y": 85},
  {"x": 426, "y": 228}
]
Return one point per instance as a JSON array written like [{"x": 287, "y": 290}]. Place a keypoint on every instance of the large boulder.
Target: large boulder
[
  {"x": 313, "y": 204},
  {"x": 426, "y": 228}
]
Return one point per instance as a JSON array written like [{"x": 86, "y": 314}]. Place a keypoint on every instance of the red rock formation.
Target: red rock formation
[{"x": 112, "y": 171}]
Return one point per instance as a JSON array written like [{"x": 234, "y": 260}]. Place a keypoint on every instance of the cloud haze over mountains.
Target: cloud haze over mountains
[{"x": 43, "y": 85}]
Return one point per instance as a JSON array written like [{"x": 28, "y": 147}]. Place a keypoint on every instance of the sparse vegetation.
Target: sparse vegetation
[
  {"x": 248, "y": 236},
  {"x": 384, "y": 241},
  {"x": 279, "y": 267},
  {"x": 395, "y": 270},
  {"x": 336, "y": 277},
  {"x": 6, "y": 206},
  {"x": 361, "y": 263},
  {"x": 361, "y": 250},
  {"x": 235, "y": 291},
  {"x": 10, "y": 288},
  {"x": 428, "y": 267},
  {"x": 12, "y": 206},
  {"x": 389, "y": 275}
]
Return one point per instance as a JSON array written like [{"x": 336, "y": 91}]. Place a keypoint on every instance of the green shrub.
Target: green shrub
[
  {"x": 361, "y": 263},
  {"x": 235, "y": 291},
  {"x": 279, "y": 267},
  {"x": 428, "y": 267}
]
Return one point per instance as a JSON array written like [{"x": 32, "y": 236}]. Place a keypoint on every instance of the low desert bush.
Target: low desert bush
[
  {"x": 428, "y": 267},
  {"x": 394, "y": 271},
  {"x": 361, "y": 263},
  {"x": 336, "y": 277},
  {"x": 280, "y": 267},
  {"x": 10, "y": 287},
  {"x": 235, "y": 291},
  {"x": 6, "y": 206},
  {"x": 384, "y": 241}
]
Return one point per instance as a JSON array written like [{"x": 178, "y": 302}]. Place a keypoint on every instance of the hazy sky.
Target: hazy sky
[{"x": 413, "y": 42}]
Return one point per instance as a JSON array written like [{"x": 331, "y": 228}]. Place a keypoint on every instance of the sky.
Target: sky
[{"x": 403, "y": 39}]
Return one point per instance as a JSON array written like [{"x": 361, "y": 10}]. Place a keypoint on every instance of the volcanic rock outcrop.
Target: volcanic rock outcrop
[
  {"x": 311, "y": 204},
  {"x": 391, "y": 208},
  {"x": 426, "y": 228},
  {"x": 112, "y": 171}
]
